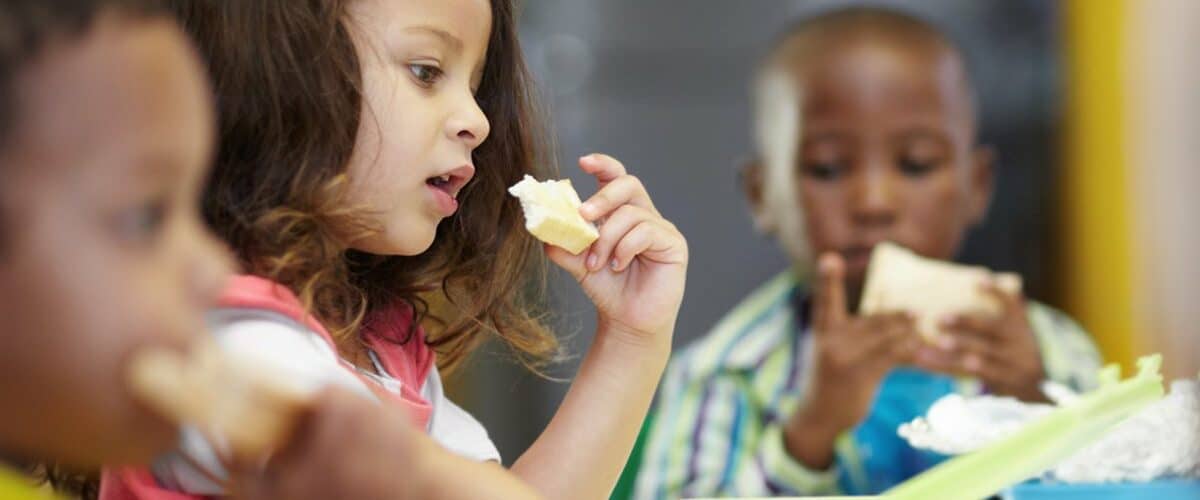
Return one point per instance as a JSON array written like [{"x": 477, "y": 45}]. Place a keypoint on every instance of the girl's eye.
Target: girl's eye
[
  {"x": 426, "y": 74},
  {"x": 141, "y": 224}
]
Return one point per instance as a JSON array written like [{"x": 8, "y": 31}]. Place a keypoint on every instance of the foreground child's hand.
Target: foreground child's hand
[
  {"x": 1000, "y": 350},
  {"x": 634, "y": 273},
  {"x": 852, "y": 356},
  {"x": 350, "y": 447},
  {"x": 345, "y": 447}
]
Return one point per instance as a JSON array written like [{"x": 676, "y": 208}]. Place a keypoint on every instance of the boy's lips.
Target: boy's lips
[{"x": 857, "y": 257}]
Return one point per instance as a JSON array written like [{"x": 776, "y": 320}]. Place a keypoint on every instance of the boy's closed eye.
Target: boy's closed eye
[
  {"x": 917, "y": 166},
  {"x": 921, "y": 153},
  {"x": 824, "y": 160},
  {"x": 824, "y": 170}
]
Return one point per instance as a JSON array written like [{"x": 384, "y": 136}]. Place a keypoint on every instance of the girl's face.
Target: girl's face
[
  {"x": 422, "y": 61},
  {"x": 102, "y": 249}
]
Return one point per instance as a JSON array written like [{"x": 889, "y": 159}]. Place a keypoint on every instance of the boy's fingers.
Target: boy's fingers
[
  {"x": 936, "y": 360},
  {"x": 984, "y": 368},
  {"x": 972, "y": 325},
  {"x": 829, "y": 302},
  {"x": 1008, "y": 301},
  {"x": 962, "y": 346},
  {"x": 892, "y": 336}
]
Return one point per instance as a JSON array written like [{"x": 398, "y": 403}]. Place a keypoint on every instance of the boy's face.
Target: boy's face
[
  {"x": 103, "y": 249},
  {"x": 887, "y": 152}
]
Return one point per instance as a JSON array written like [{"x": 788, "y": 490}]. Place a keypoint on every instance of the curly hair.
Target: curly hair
[{"x": 288, "y": 85}]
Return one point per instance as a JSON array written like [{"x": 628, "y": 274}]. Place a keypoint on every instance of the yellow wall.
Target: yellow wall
[{"x": 1097, "y": 249}]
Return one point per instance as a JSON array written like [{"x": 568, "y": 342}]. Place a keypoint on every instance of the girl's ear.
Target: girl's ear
[
  {"x": 750, "y": 176},
  {"x": 982, "y": 183}
]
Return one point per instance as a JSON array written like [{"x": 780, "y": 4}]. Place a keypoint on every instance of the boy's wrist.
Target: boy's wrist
[{"x": 810, "y": 436}]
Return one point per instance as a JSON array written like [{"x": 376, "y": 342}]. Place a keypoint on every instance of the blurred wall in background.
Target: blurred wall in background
[
  {"x": 663, "y": 86},
  {"x": 1130, "y": 236}
]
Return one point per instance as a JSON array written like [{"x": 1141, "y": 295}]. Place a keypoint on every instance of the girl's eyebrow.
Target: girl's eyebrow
[{"x": 454, "y": 42}]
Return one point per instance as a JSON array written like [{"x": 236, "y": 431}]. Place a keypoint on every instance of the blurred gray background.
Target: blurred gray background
[{"x": 662, "y": 85}]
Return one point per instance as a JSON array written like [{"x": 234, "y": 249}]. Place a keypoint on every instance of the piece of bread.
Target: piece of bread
[
  {"x": 900, "y": 280},
  {"x": 552, "y": 214},
  {"x": 233, "y": 399}
]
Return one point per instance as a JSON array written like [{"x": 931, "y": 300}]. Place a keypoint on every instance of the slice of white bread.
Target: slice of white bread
[
  {"x": 250, "y": 408},
  {"x": 552, "y": 214},
  {"x": 900, "y": 280}
]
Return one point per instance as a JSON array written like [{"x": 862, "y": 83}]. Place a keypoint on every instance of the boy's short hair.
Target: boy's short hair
[
  {"x": 27, "y": 26},
  {"x": 880, "y": 19}
]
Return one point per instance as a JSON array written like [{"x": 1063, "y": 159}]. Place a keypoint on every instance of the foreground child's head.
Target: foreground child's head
[
  {"x": 886, "y": 146},
  {"x": 365, "y": 149},
  {"x": 105, "y": 137}
]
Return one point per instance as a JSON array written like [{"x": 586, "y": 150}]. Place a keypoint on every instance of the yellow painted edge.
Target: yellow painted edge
[{"x": 1097, "y": 256}]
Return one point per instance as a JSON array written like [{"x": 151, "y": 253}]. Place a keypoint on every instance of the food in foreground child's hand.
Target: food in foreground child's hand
[
  {"x": 899, "y": 280},
  {"x": 552, "y": 213},
  {"x": 248, "y": 407}
]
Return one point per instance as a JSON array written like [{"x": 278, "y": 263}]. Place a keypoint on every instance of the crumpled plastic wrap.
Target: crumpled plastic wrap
[{"x": 1161, "y": 441}]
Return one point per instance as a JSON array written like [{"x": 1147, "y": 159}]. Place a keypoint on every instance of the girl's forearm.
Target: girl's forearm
[{"x": 584, "y": 448}]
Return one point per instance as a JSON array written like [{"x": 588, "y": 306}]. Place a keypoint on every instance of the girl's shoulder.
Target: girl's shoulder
[
  {"x": 392, "y": 333},
  {"x": 246, "y": 291}
]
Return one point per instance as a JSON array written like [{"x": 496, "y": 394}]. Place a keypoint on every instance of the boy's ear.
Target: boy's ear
[
  {"x": 982, "y": 182},
  {"x": 750, "y": 177}
]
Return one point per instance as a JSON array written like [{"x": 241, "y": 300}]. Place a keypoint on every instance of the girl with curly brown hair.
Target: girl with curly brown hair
[{"x": 365, "y": 151}]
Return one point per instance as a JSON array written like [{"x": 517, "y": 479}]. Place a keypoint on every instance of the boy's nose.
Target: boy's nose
[{"x": 873, "y": 197}]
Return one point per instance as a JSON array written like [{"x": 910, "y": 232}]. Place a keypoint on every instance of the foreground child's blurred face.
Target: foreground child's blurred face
[
  {"x": 887, "y": 150},
  {"x": 422, "y": 61},
  {"x": 102, "y": 249}
]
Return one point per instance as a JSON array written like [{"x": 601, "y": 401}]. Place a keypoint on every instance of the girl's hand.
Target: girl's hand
[{"x": 635, "y": 272}]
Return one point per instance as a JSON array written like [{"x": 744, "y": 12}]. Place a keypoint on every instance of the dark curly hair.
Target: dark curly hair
[{"x": 288, "y": 84}]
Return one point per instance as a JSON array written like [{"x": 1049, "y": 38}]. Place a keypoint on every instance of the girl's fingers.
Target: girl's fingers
[
  {"x": 612, "y": 231},
  {"x": 603, "y": 167},
  {"x": 624, "y": 190},
  {"x": 572, "y": 264},
  {"x": 650, "y": 239}
]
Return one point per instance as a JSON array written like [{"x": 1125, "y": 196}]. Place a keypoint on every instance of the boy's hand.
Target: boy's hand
[
  {"x": 634, "y": 273},
  {"x": 852, "y": 356},
  {"x": 1002, "y": 351}
]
